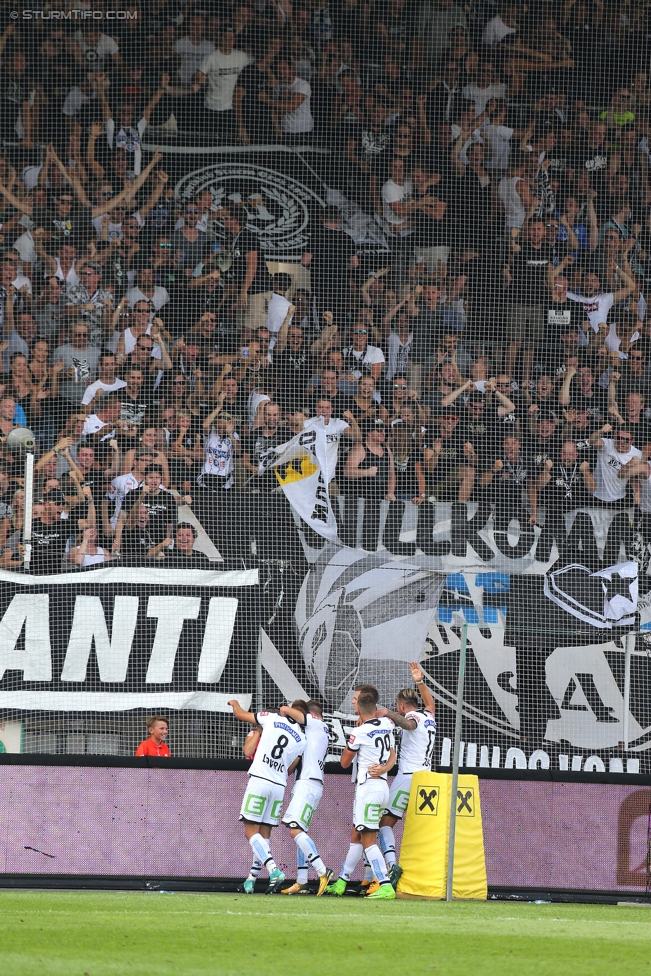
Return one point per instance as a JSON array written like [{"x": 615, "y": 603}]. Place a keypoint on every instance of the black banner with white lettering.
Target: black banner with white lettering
[{"x": 112, "y": 640}]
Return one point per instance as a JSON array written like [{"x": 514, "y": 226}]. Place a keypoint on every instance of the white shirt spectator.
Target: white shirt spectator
[
  {"x": 482, "y": 96},
  {"x": 596, "y": 309},
  {"x": 222, "y": 70},
  {"x": 300, "y": 120},
  {"x": 278, "y": 306},
  {"x": 91, "y": 390},
  {"x": 192, "y": 57},
  {"x": 115, "y": 230},
  {"x": 398, "y": 354},
  {"x": 74, "y": 101},
  {"x": 130, "y": 343},
  {"x": 96, "y": 54},
  {"x": 127, "y": 140},
  {"x": 26, "y": 247},
  {"x": 334, "y": 429},
  {"x": 94, "y": 424},
  {"x": 393, "y": 193},
  {"x": 499, "y": 139},
  {"x": 365, "y": 357},
  {"x": 160, "y": 297},
  {"x": 610, "y": 488},
  {"x": 120, "y": 488}
]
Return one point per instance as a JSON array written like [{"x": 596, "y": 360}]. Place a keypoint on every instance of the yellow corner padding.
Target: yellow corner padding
[{"x": 424, "y": 849}]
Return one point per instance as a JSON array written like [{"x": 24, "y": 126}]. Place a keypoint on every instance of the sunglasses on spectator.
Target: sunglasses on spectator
[
  {"x": 176, "y": 382},
  {"x": 360, "y": 331},
  {"x": 192, "y": 210},
  {"x": 149, "y": 348},
  {"x": 624, "y": 437},
  {"x": 79, "y": 335},
  {"x": 399, "y": 386},
  {"x": 91, "y": 272},
  {"x": 141, "y": 311},
  {"x": 164, "y": 245},
  {"x": 65, "y": 199},
  {"x": 108, "y": 193}
]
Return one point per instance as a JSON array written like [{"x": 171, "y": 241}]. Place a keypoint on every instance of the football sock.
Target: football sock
[
  {"x": 256, "y": 867},
  {"x": 305, "y": 843},
  {"x": 377, "y": 862},
  {"x": 388, "y": 845},
  {"x": 355, "y": 851},
  {"x": 368, "y": 870},
  {"x": 260, "y": 847},
  {"x": 301, "y": 872}
]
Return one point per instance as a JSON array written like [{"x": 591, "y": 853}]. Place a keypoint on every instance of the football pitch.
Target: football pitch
[{"x": 154, "y": 934}]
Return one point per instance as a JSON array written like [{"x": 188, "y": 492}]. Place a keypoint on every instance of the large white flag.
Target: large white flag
[{"x": 302, "y": 469}]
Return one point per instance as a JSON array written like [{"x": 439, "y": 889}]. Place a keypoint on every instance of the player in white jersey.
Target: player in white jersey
[
  {"x": 373, "y": 748},
  {"x": 306, "y": 795},
  {"x": 369, "y": 883},
  {"x": 281, "y": 745},
  {"x": 415, "y": 754}
]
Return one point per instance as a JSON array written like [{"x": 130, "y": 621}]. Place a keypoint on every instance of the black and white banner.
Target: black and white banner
[
  {"x": 544, "y": 687},
  {"x": 117, "y": 639}
]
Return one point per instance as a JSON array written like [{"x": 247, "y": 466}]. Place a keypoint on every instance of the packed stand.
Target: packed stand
[{"x": 494, "y": 348}]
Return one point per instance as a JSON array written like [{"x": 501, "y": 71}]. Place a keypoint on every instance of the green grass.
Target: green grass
[{"x": 150, "y": 934}]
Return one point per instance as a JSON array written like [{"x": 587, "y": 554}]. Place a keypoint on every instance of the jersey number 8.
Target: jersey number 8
[{"x": 279, "y": 748}]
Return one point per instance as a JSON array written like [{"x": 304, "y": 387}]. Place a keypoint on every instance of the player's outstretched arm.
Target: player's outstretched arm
[
  {"x": 397, "y": 719},
  {"x": 288, "y": 712},
  {"x": 239, "y": 712},
  {"x": 423, "y": 690}
]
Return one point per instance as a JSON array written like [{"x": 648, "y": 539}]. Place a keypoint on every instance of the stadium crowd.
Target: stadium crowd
[{"x": 497, "y": 349}]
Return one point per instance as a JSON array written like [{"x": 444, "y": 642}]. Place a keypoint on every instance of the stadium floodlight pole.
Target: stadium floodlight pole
[
  {"x": 455, "y": 760},
  {"x": 27, "y": 517},
  {"x": 629, "y": 646}
]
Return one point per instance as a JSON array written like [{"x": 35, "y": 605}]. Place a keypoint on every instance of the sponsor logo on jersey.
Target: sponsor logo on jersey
[{"x": 287, "y": 728}]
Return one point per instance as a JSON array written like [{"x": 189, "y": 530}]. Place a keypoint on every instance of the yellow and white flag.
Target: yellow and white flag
[{"x": 301, "y": 467}]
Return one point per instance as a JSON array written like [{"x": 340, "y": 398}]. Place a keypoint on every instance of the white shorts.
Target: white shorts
[
  {"x": 399, "y": 794},
  {"x": 263, "y": 802},
  {"x": 305, "y": 799},
  {"x": 371, "y": 799}
]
